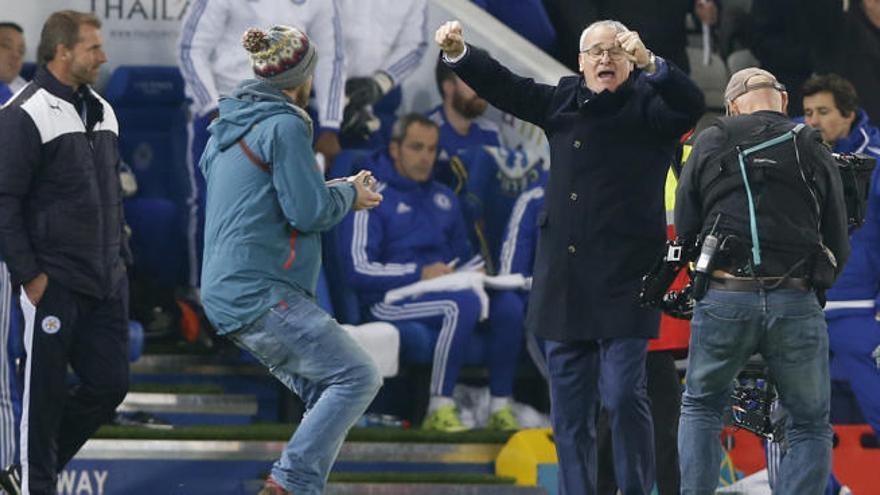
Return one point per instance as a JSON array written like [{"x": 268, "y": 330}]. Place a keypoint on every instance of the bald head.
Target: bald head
[{"x": 759, "y": 91}]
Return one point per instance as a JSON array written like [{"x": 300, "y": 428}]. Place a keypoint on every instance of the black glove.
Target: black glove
[
  {"x": 358, "y": 124},
  {"x": 362, "y": 91},
  {"x": 358, "y": 119}
]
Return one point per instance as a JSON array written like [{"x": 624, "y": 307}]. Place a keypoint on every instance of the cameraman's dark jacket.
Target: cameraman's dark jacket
[
  {"x": 788, "y": 223},
  {"x": 60, "y": 196}
]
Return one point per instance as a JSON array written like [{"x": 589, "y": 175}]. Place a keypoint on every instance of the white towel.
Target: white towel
[{"x": 446, "y": 283}]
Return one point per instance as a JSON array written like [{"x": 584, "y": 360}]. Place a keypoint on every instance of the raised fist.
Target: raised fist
[
  {"x": 635, "y": 49},
  {"x": 450, "y": 38}
]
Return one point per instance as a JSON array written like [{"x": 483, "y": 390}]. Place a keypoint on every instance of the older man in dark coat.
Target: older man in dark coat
[{"x": 612, "y": 137}]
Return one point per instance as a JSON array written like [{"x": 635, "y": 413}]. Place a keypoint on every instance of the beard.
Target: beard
[
  {"x": 470, "y": 108},
  {"x": 301, "y": 98},
  {"x": 83, "y": 74}
]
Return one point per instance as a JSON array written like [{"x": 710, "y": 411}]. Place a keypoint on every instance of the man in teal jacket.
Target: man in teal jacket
[{"x": 267, "y": 204}]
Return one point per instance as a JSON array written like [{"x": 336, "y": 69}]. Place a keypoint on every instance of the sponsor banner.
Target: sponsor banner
[
  {"x": 151, "y": 477},
  {"x": 136, "y": 32}
]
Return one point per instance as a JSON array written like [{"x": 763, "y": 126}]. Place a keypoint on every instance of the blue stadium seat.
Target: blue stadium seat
[
  {"x": 151, "y": 108},
  {"x": 155, "y": 239},
  {"x": 343, "y": 299},
  {"x": 416, "y": 340}
]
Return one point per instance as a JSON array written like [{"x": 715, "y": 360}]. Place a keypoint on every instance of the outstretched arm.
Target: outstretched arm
[{"x": 520, "y": 96}]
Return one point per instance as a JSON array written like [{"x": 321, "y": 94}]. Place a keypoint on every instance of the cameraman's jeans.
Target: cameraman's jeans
[
  {"x": 314, "y": 357},
  {"x": 788, "y": 328}
]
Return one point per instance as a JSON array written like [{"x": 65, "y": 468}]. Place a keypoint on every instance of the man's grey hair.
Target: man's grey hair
[{"x": 618, "y": 27}]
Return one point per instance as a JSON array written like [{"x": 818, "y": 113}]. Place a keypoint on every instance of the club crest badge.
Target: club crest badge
[
  {"x": 442, "y": 201},
  {"x": 51, "y": 325}
]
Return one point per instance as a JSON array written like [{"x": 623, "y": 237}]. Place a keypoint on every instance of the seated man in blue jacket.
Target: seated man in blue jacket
[
  {"x": 831, "y": 105},
  {"x": 418, "y": 233}
]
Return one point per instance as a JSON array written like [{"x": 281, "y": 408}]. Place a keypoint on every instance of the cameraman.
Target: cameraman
[{"x": 779, "y": 217}]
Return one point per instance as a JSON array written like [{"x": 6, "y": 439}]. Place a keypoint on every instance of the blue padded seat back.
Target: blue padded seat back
[{"x": 151, "y": 108}]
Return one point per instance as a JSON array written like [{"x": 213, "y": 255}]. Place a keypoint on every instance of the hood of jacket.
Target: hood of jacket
[{"x": 250, "y": 102}]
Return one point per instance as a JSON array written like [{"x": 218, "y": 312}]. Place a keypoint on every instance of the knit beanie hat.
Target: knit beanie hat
[{"x": 284, "y": 56}]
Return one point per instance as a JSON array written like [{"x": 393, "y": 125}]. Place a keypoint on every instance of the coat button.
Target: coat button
[
  {"x": 573, "y": 196},
  {"x": 577, "y": 144},
  {"x": 571, "y": 249}
]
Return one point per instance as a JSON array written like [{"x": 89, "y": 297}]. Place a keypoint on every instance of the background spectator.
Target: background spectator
[
  {"x": 846, "y": 42},
  {"x": 831, "y": 105},
  {"x": 11, "y": 345},
  {"x": 461, "y": 123},
  {"x": 12, "y": 50},
  {"x": 378, "y": 60},
  {"x": 419, "y": 234},
  {"x": 780, "y": 34}
]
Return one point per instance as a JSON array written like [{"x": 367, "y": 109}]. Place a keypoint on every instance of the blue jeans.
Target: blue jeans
[
  {"x": 788, "y": 328},
  {"x": 315, "y": 358}
]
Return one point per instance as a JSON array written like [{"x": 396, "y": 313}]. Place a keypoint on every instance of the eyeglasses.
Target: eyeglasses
[{"x": 597, "y": 52}]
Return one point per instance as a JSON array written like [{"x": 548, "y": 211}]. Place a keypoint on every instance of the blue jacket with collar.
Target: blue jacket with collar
[
  {"x": 417, "y": 224},
  {"x": 860, "y": 279}
]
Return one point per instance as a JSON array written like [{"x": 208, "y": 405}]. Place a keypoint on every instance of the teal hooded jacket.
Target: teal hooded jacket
[{"x": 263, "y": 223}]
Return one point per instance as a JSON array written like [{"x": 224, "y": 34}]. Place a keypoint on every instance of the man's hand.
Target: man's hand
[
  {"x": 635, "y": 50},
  {"x": 35, "y": 288},
  {"x": 706, "y": 11},
  {"x": 363, "y": 184},
  {"x": 450, "y": 38},
  {"x": 435, "y": 270}
]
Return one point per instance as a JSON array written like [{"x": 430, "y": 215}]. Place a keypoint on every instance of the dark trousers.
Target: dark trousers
[
  {"x": 91, "y": 336},
  {"x": 664, "y": 390},
  {"x": 584, "y": 374}
]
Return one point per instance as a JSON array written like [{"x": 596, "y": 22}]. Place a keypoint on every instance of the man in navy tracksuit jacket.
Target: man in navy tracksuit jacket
[
  {"x": 831, "y": 105},
  {"x": 418, "y": 233},
  {"x": 61, "y": 235}
]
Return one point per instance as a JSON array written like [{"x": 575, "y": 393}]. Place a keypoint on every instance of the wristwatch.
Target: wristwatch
[{"x": 651, "y": 66}]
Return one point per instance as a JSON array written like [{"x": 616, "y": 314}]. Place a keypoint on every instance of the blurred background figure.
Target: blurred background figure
[
  {"x": 12, "y": 50},
  {"x": 378, "y": 59}
]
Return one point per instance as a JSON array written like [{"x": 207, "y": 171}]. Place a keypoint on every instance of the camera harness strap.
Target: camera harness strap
[{"x": 742, "y": 154}]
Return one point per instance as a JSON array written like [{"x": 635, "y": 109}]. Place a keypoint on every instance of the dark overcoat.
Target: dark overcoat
[{"x": 604, "y": 221}]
